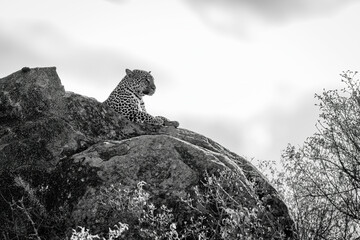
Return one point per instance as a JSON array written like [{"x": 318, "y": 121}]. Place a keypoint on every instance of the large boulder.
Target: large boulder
[{"x": 65, "y": 160}]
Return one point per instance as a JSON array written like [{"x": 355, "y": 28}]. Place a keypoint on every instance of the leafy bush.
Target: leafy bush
[
  {"x": 219, "y": 208},
  {"x": 320, "y": 181},
  {"x": 84, "y": 234}
]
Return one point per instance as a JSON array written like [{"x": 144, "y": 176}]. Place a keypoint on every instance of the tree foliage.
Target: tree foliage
[{"x": 320, "y": 180}]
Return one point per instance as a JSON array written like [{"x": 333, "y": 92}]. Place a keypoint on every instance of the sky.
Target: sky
[{"x": 242, "y": 72}]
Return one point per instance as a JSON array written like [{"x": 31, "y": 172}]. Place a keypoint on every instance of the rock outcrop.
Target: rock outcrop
[{"x": 60, "y": 152}]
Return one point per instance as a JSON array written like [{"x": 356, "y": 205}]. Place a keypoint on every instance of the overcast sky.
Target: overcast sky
[{"x": 242, "y": 72}]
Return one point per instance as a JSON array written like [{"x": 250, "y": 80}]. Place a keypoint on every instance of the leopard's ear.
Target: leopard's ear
[{"x": 129, "y": 72}]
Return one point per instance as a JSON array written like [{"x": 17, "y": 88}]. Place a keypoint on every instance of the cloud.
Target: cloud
[
  {"x": 264, "y": 136},
  {"x": 116, "y": 1},
  {"x": 284, "y": 126},
  {"x": 83, "y": 69},
  {"x": 14, "y": 55},
  {"x": 226, "y": 132},
  {"x": 239, "y": 15}
]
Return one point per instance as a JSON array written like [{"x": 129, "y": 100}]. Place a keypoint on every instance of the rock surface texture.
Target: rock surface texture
[{"x": 59, "y": 151}]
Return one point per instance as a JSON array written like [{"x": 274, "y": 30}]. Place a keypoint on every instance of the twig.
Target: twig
[{"x": 25, "y": 211}]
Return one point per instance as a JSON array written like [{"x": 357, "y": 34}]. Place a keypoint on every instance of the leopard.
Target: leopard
[{"x": 127, "y": 98}]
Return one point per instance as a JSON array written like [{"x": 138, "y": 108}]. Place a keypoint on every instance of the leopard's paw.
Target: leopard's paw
[{"x": 159, "y": 121}]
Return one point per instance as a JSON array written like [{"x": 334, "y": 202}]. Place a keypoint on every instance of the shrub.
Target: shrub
[
  {"x": 320, "y": 180},
  {"x": 219, "y": 208}
]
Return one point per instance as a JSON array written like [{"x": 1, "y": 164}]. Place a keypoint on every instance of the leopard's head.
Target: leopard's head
[{"x": 140, "y": 82}]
